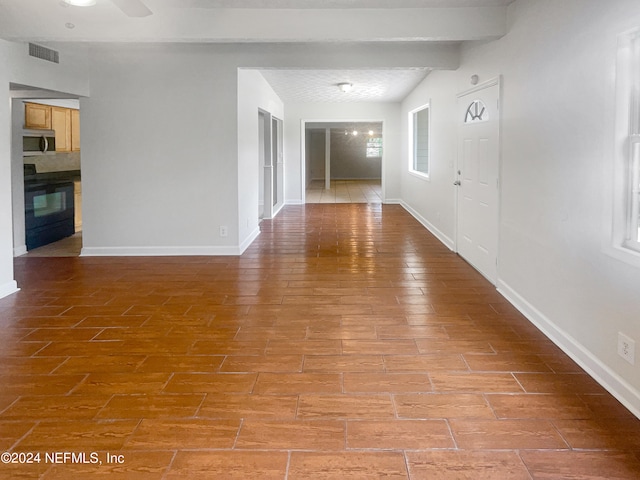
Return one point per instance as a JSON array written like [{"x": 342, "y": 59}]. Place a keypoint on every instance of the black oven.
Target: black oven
[{"x": 49, "y": 212}]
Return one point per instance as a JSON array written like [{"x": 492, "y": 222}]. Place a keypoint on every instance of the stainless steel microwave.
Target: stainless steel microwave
[{"x": 38, "y": 142}]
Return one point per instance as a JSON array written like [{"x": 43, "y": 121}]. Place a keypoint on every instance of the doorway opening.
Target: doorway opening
[
  {"x": 343, "y": 162},
  {"x": 271, "y": 168},
  {"x": 46, "y": 185}
]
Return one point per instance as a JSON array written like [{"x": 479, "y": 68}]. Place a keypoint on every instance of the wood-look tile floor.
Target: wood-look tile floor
[
  {"x": 67, "y": 247},
  {"x": 347, "y": 342},
  {"x": 345, "y": 191}
]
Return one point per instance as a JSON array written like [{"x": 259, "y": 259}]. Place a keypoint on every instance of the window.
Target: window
[
  {"x": 374, "y": 147},
  {"x": 625, "y": 188},
  {"x": 419, "y": 146},
  {"x": 632, "y": 160},
  {"x": 633, "y": 194},
  {"x": 477, "y": 112}
]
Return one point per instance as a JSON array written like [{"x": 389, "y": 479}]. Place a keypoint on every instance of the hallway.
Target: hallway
[{"x": 347, "y": 342}]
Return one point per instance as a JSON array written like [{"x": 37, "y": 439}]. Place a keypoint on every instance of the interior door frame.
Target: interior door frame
[
  {"x": 271, "y": 161},
  {"x": 479, "y": 87},
  {"x": 277, "y": 159},
  {"x": 327, "y": 179}
]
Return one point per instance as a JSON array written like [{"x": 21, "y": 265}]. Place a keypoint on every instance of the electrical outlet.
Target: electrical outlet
[
  {"x": 223, "y": 231},
  {"x": 626, "y": 348}
]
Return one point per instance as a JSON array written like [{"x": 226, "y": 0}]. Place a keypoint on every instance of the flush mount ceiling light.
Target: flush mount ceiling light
[
  {"x": 80, "y": 3},
  {"x": 345, "y": 87}
]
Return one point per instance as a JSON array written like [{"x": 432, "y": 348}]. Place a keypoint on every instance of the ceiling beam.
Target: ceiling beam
[{"x": 200, "y": 25}]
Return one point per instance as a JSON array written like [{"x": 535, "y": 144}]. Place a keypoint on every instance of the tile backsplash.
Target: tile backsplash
[{"x": 55, "y": 163}]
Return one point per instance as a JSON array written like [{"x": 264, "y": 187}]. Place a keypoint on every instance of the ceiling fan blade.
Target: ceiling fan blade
[{"x": 132, "y": 8}]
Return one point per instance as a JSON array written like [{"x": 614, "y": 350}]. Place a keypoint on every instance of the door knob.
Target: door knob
[{"x": 457, "y": 183}]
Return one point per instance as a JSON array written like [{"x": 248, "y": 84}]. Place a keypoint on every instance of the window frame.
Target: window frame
[
  {"x": 378, "y": 145},
  {"x": 412, "y": 115},
  {"x": 620, "y": 240},
  {"x": 632, "y": 203}
]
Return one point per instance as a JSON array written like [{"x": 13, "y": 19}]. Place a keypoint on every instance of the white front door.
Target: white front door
[{"x": 477, "y": 178}]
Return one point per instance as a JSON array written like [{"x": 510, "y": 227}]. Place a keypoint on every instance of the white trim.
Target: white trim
[
  {"x": 448, "y": 242},
  {"x": 420, "y": 175},
  {"x": 492, "y": 82},
  {"x": 160, "y": 251},
  {"x": 19, "y": 251},
  {"x": 603, "y": 374},
  {"x": 303, "y": 154},
  {"x": 481, "y": 86},
  {"x": 412, "y": 141},
  {"x": 251, "y": 238},
  {"x": 277, "y": 210},
  {"x": 623, "y": 254},
  {"x": 8, "y": 288},
  {"x": 615, "y": 227}
]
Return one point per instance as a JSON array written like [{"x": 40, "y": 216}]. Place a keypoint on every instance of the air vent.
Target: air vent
[{"x": 44, "y": 53}]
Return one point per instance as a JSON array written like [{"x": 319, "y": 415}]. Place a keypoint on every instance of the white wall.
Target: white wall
[
  {"x": 254, "y": 94},
  {"x": 295, "y": 114},
  {"x": 432, "y": 201},
  {"x": 159, "y": 145},
  {"x": 558, "y": 68},
  {"x": 316, "y": 159},
  {"x": 349, "y": 157},
  {"x": 7, "y": 282}
]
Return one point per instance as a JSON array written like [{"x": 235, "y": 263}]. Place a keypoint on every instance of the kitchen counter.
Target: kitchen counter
[{"x": 66, "y": 175}]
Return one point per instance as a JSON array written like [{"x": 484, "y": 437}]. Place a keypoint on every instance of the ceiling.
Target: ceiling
[
  {"x": 331, "y": 22},
  {"x": 321, "y": 86}
]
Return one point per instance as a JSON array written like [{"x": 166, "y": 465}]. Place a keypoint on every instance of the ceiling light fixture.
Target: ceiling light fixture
[
  {"x": 80, "y": 3},
  {"x": 345, "y": 87}
]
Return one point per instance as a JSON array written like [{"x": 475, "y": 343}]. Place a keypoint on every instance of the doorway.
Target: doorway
[
  {"x": 61, "y": 165},
  {"x": 343, "y": 162},
  {"x": 477, "y": 179},
  {"x": 270, "y": 158}
]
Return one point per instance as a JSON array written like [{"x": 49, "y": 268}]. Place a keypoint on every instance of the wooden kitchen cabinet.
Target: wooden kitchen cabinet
[
  {"x": 65, "y": 122},
  {"x": 75, "y": 130},
  {"x": 61, "y": 123},
  {"x": 77, "y": 205},
  {"x": 37, "y": 116}
]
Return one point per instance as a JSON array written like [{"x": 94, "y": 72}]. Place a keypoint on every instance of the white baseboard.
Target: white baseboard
[
  {"x": 604, "y": 375},
  {"x": 19, "y": 251},
  {"x": 392, "y": 201},
  {"x": 294, "y": 202},
  {"x": 249, "y": 240},
  {"x": 8, "y": 288},
  {"x": 448, "y": 242},
  {"x": 278, "y": 209},
  {"x": 159, "y": 251}
]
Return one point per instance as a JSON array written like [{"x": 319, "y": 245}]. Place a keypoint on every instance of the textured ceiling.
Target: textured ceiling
[{"x": 305, "y": 86}]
